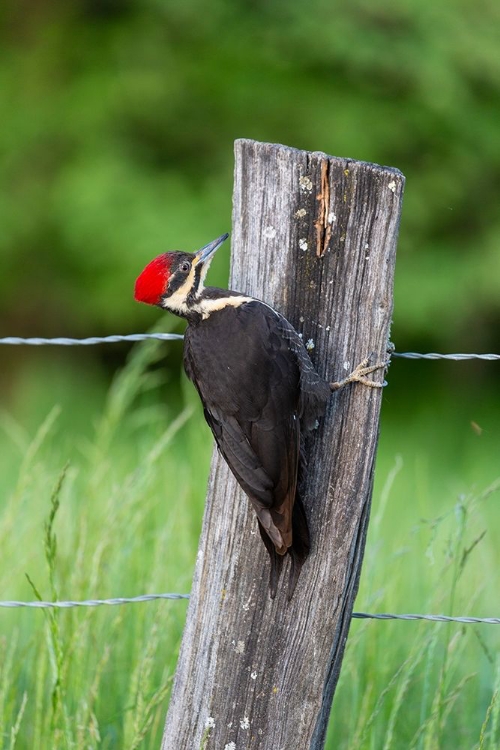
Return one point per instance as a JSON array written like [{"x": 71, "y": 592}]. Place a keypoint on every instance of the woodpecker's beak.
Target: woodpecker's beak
[{"x": 206, "y": 253}]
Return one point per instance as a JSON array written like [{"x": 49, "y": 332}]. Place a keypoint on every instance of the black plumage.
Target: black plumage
[{"x": 259, "y": 391}]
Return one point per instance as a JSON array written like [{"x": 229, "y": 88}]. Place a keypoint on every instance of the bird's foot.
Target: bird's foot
[{"x": 358, "y": 375}]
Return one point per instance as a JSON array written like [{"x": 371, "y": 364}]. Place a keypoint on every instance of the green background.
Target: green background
[{"x": 116, "y": 143}]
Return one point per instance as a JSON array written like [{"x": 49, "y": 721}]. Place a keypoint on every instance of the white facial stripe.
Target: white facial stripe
[
  {"x": 204, "y": 270},
  {"x": 207, "y": 306},
  {"x": 177, "y": 300},
  {"x": 204, "y": 307}
]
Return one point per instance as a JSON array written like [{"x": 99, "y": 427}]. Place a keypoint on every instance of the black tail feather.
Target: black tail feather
[
  {"x": 298, "y": 552},
  {"x": 276, "y": 562}
]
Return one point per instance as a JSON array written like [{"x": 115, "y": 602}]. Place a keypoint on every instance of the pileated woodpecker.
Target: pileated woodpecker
[{"x": 258, "y": 387}]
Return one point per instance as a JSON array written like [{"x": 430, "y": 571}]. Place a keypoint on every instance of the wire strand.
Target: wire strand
[
  {"x": 63, "y": 341},
  {"x": 432, "y": 618},
  {"x": 177, "y": 597},
  {"x": 456, "y": 357},
  {"x": 92, "y": 602},
  {"x": 91, "y": 340}
]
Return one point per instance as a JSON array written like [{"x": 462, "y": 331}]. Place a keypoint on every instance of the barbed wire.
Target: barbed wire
[
  {"x": 432, "y": 618},
  {"x": 91, "y": 340},
  {"x": 93, "y": 602},
  {"x": 63, "y": 341},
  {"x": 153, "y": 597},
  {"x": 434, "y": 355}
]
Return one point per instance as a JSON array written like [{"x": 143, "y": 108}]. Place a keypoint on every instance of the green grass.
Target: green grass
[
  {"x": 432, "y": 547},
  {"x": 424, "y": 685},
  {"x": 121, "y": 518},
  {"x": 104, "y": 496}
]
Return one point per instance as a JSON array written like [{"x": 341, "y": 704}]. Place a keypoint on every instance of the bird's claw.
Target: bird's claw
[{"x": 358, "y": 375}]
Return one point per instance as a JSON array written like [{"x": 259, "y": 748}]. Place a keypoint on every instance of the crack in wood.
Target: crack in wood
[{"x": 323, "y": 224}]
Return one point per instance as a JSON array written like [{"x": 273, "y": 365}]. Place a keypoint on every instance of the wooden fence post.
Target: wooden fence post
[{"x": 315, "y": 236}]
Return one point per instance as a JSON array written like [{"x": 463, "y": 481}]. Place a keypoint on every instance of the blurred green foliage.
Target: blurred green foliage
[{"x": 116, "y": 143}]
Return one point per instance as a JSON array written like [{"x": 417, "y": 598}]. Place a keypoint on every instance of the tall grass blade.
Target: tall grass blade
[{"x": 17, "y": 724}]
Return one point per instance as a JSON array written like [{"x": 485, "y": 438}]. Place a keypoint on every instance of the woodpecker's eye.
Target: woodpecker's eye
[{"x": 185, "y": 266}]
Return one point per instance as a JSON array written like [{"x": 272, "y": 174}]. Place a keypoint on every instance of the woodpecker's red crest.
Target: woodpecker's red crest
[{"x": 153, "y": 281}]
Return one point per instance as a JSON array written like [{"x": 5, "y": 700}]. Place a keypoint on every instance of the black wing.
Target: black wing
[
  {"x": 314, "y": 391},
  {"x": 249, "y": 382}
]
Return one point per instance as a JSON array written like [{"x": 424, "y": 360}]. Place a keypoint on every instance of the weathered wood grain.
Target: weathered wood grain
[{"x": 315, "y": 236}]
